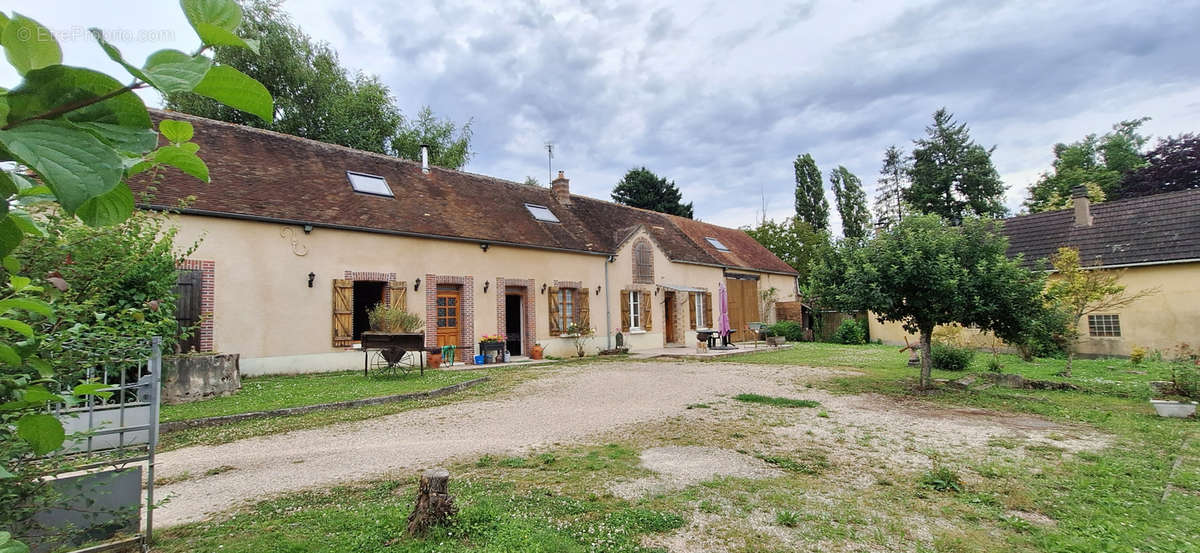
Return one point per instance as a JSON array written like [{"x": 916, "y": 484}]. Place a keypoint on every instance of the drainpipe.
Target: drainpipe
[{"x": 607, "y": 311}]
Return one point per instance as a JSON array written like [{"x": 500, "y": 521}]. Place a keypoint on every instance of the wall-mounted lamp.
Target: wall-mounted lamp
[
  {"x": 543, "y": 287},
  {"x": 483, "y": 246},
  {"x": 597, "y": 290},
  {"x": 311, "y": 278},
  {"x": 656, "y": 289},
  {"x": 485, "y": 286},
  {"x": 416, "y": 285},
  {"x": 307, "y": 229},
  {"x": 612, "y": 258}
]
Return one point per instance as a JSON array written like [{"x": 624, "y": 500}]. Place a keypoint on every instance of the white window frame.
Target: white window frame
[
  {"x": 1108, "y": 323},
  {"x": 700, "y": 311},
  {"x": 635, "y": 310},
  {"x": 719, "y": 245},
  {"x": 535, "y": 209},
  {"x": 566, "y": 309},
  {"x": 365, "y": 184}
]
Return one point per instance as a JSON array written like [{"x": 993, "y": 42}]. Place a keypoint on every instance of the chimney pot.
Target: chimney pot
[
  {"x": 425, "y": 158},
  {"x": 561, "y": 188},
  {"x": 1083, "y": 206}
]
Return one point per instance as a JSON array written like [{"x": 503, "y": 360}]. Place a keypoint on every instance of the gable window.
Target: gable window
[
  {"x": 568, "y": 307},
  {"x": 643, "y": 262},
  {"x": 716, "y": 244},
  {"x": 635, "y": 311},
  {"x": 369, "y": 184},
  {"x": 541, "y": 213},
  {"x": 1104, "y": 325}
]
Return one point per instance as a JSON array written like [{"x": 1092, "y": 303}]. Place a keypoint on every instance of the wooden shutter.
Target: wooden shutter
[
  {"x": 187, "y": 308},
  {"x": 583, "y": 317},
  {"x": 553, "y": 303},
  {"x": 625, "y": 310},
  {"x": 692, "y": 308},
  {"x": 709, "y": 322},
  {"x": 343, "y": 312},
  {"x": 647, "y": 309},
  {"x": 398, "y": 295}
]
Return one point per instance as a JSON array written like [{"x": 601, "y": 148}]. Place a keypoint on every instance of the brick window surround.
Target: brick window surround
[
  {"x": 207, "y": 273},
  {"x": 529, "y": 332},
  {"x": 466, "y": 309},
  {"x": 377, "y": 277}
]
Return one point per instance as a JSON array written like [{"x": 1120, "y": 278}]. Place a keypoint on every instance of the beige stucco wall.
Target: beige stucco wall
[
  {"x": 1158, "y": 322},
  {"x": 264, "y": 309}
]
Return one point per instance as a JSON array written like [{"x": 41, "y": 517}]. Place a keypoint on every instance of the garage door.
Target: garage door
[{"x": 743, "y": 306}]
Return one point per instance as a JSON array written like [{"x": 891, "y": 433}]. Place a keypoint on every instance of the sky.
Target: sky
[{"x": 721, "y": 97}]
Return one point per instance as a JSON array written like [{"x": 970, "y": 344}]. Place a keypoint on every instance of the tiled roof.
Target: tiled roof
[
  {"x": 263, "y": 174},
  {"x": 1154, "y": 229}
]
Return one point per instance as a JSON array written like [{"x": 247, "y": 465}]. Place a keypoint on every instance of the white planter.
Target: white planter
[{"x": 1178, "y": 409}]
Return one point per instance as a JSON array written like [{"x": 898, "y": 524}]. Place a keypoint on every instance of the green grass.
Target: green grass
[
  {"x": 776, "y": 401},
  {"x": 263, "y": 393}
]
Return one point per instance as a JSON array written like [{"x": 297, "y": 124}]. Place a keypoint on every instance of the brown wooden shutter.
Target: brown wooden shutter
[
  {"x": 583, "y": 316},
  {"x": 187, "y": 308},
  {"x": 553, "y": 303},
  {"x": 647, "y": 309},
  {"x": 398, "y": 295},
  {"x": 343, "y": 312},
  {"x": 625, "y": 310},
  {"x": 709, "y": 322},
  {"x": 692, "y": 308}
]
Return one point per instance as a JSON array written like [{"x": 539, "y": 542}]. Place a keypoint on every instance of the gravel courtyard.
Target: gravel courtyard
[{"x": 571, "y": 405}]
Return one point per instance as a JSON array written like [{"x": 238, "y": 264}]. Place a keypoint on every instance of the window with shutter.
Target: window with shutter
[
  {"x": 643, "y": 262},
  {"x": 635, "y": 311},
  {"x": 398, "y": 295},
  {"x": 692, "y": 311},
  {"x": 343, "y": 312},
  {"x": 625, "y": 322},
  {"x": 556, "y": 328},
  {"x": 647, "y": 311},
  {"x": 708, "y": 309},
  {"x": 583, "y": 316}
]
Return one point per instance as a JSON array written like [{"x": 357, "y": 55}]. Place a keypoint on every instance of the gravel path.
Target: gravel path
[{"x": 567, "y": 405}]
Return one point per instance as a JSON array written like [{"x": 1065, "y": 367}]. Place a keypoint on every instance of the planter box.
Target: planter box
[
  {"x": 776, "y": 340},
  {"x": 1177, "y": 409},
  {"x": 407, "y": 341},
  {"x": 194, "y": 377}
]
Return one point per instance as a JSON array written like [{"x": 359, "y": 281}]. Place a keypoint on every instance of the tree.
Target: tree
[
  {"x": 642, "y": 188},
  {"x": 922, "y": 273},
  {"x": 1081, "y": 291},
  {"x": 893, "y": 181},
  {"x": 1173, "y": 165},
  {"x": 449, "y": 144},
  {"x": 952, "y": 176},
  {"x": 795, "y": 242},
  {"x": 851, "y": 203},
  {"x": 72, "y": 137},
  {"x": 530, "y": 181},
  {"x": 811, "y": 205},
  {"x": 1097, "y": 162}
]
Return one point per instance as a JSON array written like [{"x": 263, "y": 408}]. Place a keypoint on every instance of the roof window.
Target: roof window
[
  {"x": 716, "y": 244},
  {"x": 541, "y": 213},
  {"x": 369, "y": 184}
]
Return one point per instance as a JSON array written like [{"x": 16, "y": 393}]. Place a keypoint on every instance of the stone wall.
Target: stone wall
[{"x": 194, "y": 377}]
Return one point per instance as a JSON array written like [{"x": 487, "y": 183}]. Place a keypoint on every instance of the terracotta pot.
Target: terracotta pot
[
  {"x": 535, "y": 352},
  {"x": 435, "y": 360}
]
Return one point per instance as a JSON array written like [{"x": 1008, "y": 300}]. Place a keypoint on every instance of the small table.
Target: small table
[{"x": 709, "y": 336}]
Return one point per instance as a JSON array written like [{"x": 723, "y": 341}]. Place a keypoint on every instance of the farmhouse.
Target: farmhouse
[
  {"x": 300, "y": 238},
  {"x": 1154, "y": 242}
]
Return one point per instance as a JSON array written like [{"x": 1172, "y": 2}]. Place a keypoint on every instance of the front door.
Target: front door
[
  {"x": 669, "y": 315},
  {"x": 448, "y": 319},
  {"x": 512, "y": 324}
]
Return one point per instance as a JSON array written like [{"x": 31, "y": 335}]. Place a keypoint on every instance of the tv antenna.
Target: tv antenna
[{"x": 549, "y": 158}]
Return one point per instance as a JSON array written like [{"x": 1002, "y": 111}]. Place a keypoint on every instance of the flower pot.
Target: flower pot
[
  {"x": 535, "y": 352},
  {"x": 435, "y": 360},
  {"x": 1176, "y": 409}
]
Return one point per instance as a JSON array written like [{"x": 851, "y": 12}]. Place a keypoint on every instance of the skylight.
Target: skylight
[
  {"x": 716, "y": 243},
  {"x": 541, "y": 213},
  {"x": 369, "y": 184}
]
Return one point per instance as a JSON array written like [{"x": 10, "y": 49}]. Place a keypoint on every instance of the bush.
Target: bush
[
  {"x": 385, "y": 318},
  {"x": 1137, "y": 355},
  {"x": 791, "y": 330},
  {"x": 946, "y": 357},
  {"x": 1047, "y": 334},
  {"x": 942, "y": 479},
  {"x": 851, "y": 332}
]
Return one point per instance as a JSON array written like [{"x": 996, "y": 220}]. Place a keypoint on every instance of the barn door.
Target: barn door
[{"x": 187, "y": 308}]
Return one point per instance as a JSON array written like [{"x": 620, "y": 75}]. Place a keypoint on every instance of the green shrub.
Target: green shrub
[
  {"x": 946, "y": 357},
  {"x": 1137, "y": 355},
  {"x": 994, "y": 364},
  {"x": 385, "y": 318},
  {"x": 851, "y": 332},
  {"x": 791, "y": 330},
  {"x": 942, "y": 479}
]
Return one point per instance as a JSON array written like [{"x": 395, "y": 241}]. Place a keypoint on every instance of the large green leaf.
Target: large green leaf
[
  {"x": 17, "y": 326},
  {"x": 25, "y": 304},
  {"x": 237, "y": 90},
  {"x": 181, "y": 158},
  {"x": 73, "y": 163},
  {"x": 46, "y": 89},
  {"x": 224, "y": 14},
  {"x": 43, "y": 432},
  {"x": 176, "y": 131},
  {"x": 172, "y": 71},
  {"x": 216, "y": 36},
  {"x": 115, "y": 55},
  {"x": 9, "y": 545},
  {"x": 10, "y": 235},
  {"x": 28, "y": 45},
  {"x": 9, "y": 355},
  {"x": 110, "y": 208},
  {"x": 134, "y": 140}
]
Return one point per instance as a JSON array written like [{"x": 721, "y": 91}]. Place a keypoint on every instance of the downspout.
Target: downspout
[{"x": 607, "y": 311}]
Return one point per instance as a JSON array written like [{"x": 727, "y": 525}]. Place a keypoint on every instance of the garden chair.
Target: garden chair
[{"x": 448, "y": 355}]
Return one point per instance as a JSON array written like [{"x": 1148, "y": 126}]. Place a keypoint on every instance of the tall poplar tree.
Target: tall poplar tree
[
  {"x": 811, "y": 205},
  {"x": 889, "y": 194},
  {"x": 851, "y": 203},
  {"x": 952, "y": 176}
]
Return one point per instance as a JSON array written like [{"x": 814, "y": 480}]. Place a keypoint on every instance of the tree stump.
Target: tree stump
[{"x": 434, "y": 503}]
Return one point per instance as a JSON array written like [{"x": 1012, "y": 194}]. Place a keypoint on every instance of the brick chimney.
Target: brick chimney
[
  {"x": 1083, "y": 206},
  {"x": 561, "y": 187}
]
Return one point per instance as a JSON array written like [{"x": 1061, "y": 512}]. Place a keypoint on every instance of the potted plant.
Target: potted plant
[
  {"x": 1178, "y": 397},
  {"x": 536, "y": 351},
  {"x": 393, "y": 327},
  {"x": 491, "y": 346}
]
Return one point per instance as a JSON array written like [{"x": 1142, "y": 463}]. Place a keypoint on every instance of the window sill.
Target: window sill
[{"x": 636, "y": 331}]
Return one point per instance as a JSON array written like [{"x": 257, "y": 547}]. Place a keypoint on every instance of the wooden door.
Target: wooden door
[
  {"x": 743, "y": 306},
  {"x": 669, "y": 317},
  {"x": 187, "y": 308},
  {"x": 448, "y": 318}
]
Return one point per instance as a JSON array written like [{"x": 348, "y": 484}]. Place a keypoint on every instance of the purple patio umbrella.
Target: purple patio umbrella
[{"x": 723, "y": 319}]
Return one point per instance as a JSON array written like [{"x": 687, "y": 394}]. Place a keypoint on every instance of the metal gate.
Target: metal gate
[{"x": 110, "y": 444}]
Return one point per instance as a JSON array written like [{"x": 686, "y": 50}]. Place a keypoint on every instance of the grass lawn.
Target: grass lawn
[
  {"x": 839, "y": 488},
  {"x": 263, "y": 393}
]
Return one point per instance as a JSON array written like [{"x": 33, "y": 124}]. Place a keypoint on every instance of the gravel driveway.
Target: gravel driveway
[{"x": 566, "y": 405}]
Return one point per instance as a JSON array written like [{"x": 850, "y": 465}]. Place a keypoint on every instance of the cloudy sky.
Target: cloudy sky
[{"x": 722, "y": 96}]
